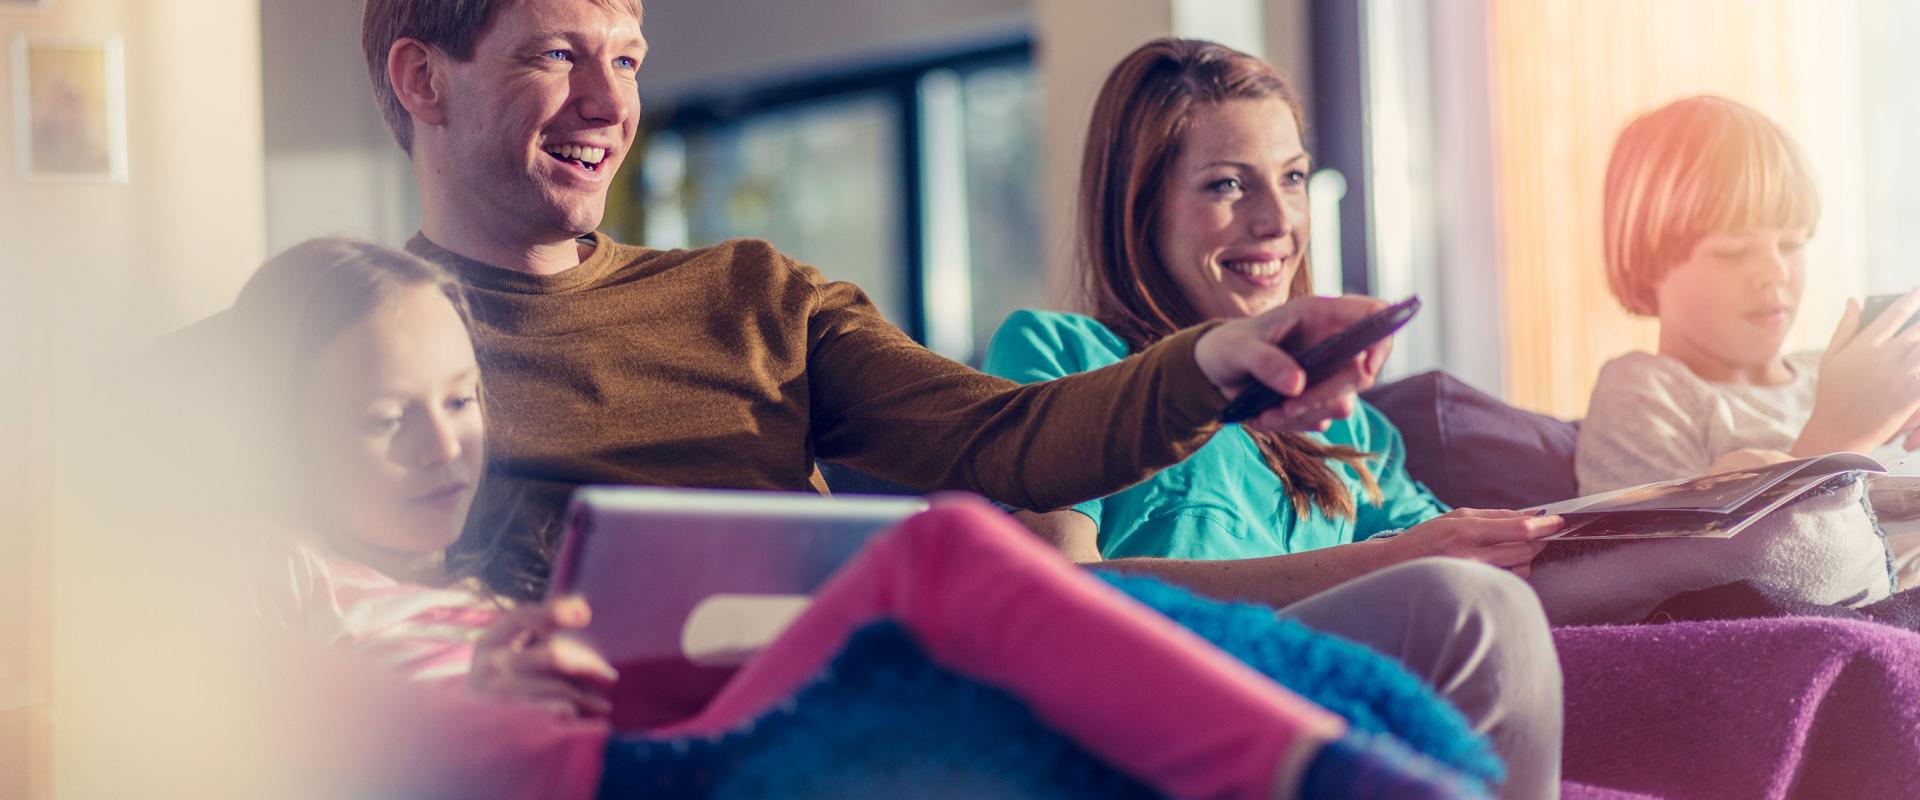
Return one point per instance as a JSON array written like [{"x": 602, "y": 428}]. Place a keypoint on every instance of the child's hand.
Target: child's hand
[
  {"x": 1909, "y": 434},
  {"x": 1750, "y": 458},
  {"x": 523, "y": 658},
  {"x": 1869, "y": 383},
  {"x": 1505, "y": 539}
]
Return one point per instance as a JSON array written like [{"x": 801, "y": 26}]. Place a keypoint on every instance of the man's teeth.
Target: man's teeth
[
  {"x": 1257, "y": 269},
  {"x": 584, "y": 155}
]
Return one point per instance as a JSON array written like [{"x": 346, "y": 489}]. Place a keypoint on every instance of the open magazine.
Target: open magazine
[{"x": 1712, "y": 506}]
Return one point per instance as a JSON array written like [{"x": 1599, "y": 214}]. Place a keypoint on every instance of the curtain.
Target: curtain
[{"x": 1567, "y": 75}]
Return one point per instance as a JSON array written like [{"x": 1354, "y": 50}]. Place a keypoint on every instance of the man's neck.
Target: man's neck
[{"x": 484, "y": 244}]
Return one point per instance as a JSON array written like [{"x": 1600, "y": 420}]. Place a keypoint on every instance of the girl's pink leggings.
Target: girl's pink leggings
[{"x": 987, "y": 600}]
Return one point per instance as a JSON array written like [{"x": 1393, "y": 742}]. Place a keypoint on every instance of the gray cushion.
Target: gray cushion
[{"x": 1474, "y": 451}]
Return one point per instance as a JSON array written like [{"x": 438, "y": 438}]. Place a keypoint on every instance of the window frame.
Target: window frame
[{"x": 899, "y": 81}]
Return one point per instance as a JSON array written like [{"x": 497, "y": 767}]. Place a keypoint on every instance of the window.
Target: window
[
  {"x": 1464, "y": 144},
  {"x": 918, "y": 182}
]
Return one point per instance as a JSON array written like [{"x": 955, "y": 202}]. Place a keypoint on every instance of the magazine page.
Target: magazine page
[
  {"x": 1646, "y": 525},
  {"x": 1720, "y": 493},
  {"x": 1669, "y": 524}
]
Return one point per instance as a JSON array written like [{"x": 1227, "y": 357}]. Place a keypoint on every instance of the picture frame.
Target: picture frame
[{"x": 70, "y": 108}]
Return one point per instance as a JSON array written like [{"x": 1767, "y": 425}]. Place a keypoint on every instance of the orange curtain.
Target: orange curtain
[{"x": 1567, "y": 75}]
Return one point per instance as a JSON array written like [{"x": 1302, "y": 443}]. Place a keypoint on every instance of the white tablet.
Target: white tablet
[{"x": 686, "y": 584}]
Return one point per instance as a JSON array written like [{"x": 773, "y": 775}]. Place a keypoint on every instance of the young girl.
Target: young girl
[
  {"x": 367, "y": 349},
  {"x": 1708, "y": 209}
]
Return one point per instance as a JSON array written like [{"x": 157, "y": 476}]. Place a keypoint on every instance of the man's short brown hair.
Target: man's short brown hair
[{"x": 451, "y": 26}]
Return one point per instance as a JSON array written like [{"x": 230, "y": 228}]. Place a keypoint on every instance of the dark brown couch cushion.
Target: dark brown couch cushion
[{"x": 1475, "y": 451}]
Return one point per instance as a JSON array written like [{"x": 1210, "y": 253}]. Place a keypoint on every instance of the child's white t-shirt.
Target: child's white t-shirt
[{"x": 1652, "y": 419}]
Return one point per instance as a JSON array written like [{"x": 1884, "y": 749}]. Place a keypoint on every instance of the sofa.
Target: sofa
[{"x": 1790, "y": 707}]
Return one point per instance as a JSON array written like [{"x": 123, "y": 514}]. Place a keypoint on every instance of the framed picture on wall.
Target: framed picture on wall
[
  {"x": 12, "y": 5},
  {"x": 69, "y": 108}
]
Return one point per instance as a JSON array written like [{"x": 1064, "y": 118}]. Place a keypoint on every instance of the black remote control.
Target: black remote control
[{"x": 1325, "y": 358}]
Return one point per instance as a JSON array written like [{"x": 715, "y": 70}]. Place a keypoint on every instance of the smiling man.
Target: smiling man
[{"x": 733, "y": 366}]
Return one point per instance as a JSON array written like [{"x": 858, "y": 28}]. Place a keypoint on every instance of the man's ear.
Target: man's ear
[{"x": 414, "y": 69}]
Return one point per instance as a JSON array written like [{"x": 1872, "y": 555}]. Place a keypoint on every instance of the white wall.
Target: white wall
[
  {"x": 91, "y": 272},
  {"x": 172, "y": 244},
  {"x": 1080, "y": 41},
  {"x": 331, "y": 166}
]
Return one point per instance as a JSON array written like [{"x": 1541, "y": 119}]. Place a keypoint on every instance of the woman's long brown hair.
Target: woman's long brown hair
[{"x": 1139, "y": 121}]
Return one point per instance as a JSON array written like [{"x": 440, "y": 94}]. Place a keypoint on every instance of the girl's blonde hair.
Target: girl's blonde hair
[{"x": 1688, "y": 169}]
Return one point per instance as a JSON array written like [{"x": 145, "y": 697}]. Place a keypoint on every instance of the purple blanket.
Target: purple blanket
[{"x": 1793, "y": 707}]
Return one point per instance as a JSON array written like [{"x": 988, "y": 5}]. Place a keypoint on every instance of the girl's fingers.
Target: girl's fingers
[
  {"x": 514, "y": 628},
  {"x": 547, "y": 691},
  {"x": 529, "y": 623},
  {"x": 579, "y": 661},
  {"x": 558, "y": 709},
  {"x": 565, "y": 657}
]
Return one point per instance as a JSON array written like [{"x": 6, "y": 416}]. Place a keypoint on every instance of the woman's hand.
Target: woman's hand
[
  {"x": 1505, "y": 539},
  {"x": 1869, "y": 383},
  {"x": 1241, "y": 352},
  {"x": 526, "y": 657}
]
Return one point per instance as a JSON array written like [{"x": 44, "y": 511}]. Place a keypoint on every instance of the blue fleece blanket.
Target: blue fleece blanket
[{"x": 883, "y": 721}]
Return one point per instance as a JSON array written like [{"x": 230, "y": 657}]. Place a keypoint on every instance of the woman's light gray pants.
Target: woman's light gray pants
[{"x": 1478, "y": 636}]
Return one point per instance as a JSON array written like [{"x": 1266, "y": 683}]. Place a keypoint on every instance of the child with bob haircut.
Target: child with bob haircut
[
  {"x": 1709, "y": 206},
  {"x": 1708, "y": 209}
]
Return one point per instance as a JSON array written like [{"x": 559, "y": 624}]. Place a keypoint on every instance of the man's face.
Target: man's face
[{"x": 538, "y": 121}]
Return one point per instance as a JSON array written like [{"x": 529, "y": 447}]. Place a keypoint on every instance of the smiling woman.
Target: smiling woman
[
  {"x": 1193, "y": 207},
  {"x": 1233, "y": 228}
]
